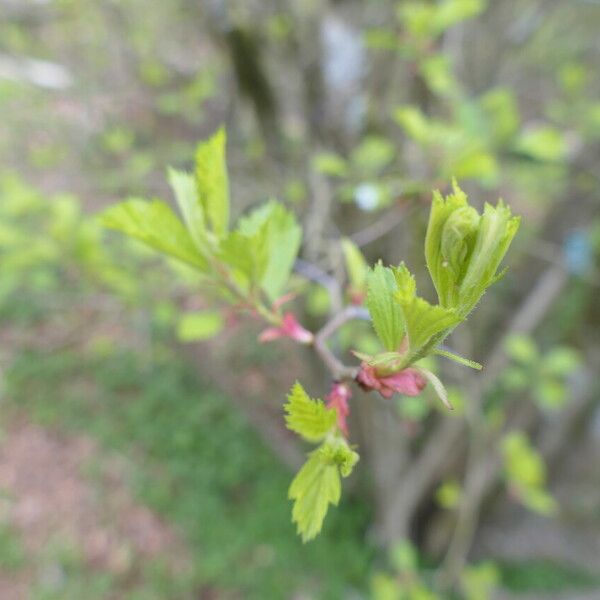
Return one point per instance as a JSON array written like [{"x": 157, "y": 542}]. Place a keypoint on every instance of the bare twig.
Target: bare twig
[
  {"x": 339, "y": 370},
  {"x": 380, "y": 228},
  {"x": 331, "y": 284}
]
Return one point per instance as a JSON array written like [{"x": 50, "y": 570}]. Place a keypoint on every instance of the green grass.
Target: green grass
[
  {"x": 546, "y": 576},
  {"x": 197, "y": 462},
  {"x": 12, "y": 554}
]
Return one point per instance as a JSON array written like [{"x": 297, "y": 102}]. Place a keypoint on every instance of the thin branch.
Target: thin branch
[
  {"x": 331, "y": 284},
  {"x": 388, "y": 222},
  {"x": 339, "y": 370}
]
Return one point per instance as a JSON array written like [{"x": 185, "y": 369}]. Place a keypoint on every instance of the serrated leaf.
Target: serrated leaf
[
  {"x": 283, "y": 240},
  {"x": 186, "y": 194},
  {"x": 155, "y": 224},
  {"x": 307, "y": 417},
  {"x": 213, "y": 181},
  {"x": 199, "y": 325},
  {"x": 245, "y": 254},
  {"x": 264, "y": 247},
  {"x": 385, "y": 314},
  {"x": 317, "y": 485},
  {"x": 423, "y": 321}
]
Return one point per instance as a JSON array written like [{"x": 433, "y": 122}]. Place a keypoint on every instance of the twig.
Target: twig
[
  {"x": 315, "y": 273},
  {"x": 426, "y": 468},
  {"x": 339, "y": 370},
  {"x": 380, "y": 228}
]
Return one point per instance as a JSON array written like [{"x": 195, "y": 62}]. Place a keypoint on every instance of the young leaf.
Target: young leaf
[
  {"x": 496, "y": 231},
  {"x": 317, "y": 485},
  {"x": 213, "y": 182},
  {"x": 246, "y": 254},
  {"x": 356, "y": 265},
  {"x": 155, "y": 224},
  {"x": 184, "y": 187},
  {"x": 197, "y": 326},
  {"x": 387, "y": 318},
  {"x": 272, "y": 238},
  {"x": 306, "y": 417},
  {"x": 423, "y": 321},
  {"x": 283, "y": 239}
]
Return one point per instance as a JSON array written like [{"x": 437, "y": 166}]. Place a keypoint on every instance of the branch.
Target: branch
[
  {"x": 339, "y": 370},
  {"x": 427, "y": 467}
]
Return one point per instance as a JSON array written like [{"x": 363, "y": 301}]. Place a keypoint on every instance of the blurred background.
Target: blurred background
[{"x": 142, "y": 450}]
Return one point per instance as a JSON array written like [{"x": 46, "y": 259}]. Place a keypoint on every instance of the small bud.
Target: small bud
[
  {"x": 409, "y": 382},
  {"x": 289, "y": 328},
  {"x": 338, "y": 398}
]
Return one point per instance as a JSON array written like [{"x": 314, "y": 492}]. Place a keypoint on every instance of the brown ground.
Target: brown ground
[{"x": 46, "y": 497}]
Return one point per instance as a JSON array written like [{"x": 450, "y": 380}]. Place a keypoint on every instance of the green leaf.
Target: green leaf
[
  {"x": 246, "y": 255},
  {"x": 306, "y": 417},
  {"x": 464, "y": 250},
  {"x": 283, "y": 240},
  {"x": 561, "y": 361},
  {"x": 521, "y": 348},
  {"x": 264, "y": 247},
  {"x": 372, "y": 155},
  {"x": 423, "y": 321},
  {"x": 329, "y": 163},
  {"x": 317, "y": 485},
  {"x": 414, "y": 123},
  {"x": 543, "y": 143},
  {"x": 525, "y": 469},
  {"x": 213, "y": 182},
  {"x": 356, "y": 265},
  {"x": 385, "y": 314},
  {"x": 459, "y": 359},
  {"x": 155, "y": 224},
  {"x": 184, "y": 187},
  {"x": 197, "y": 326}
]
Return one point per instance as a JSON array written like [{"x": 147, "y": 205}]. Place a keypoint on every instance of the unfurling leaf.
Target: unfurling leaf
[
  {"x": 464, "y": 250},
  {"x": 317, "y": 485},
  {"x": 307, "y": 417}
]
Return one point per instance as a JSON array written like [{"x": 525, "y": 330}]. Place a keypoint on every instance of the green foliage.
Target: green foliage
[
  {"x": 464, "y": 250},
  {"x": 356, "y": 268},
  {"x": 546, "y": 576},
  {"x": 213, "y": 182},
  {"x": 306, "y": 417},
  {"x": 155, "y": 224},
  {"x": 479, "y": 582},
  {"x": 199, "y": 326},
  {"x": 198, "y": 463},
  {"x": 526, "y": 473},
  {"x": 317, "y": 484},
  {"x": 544, "y": 375},
  {"x": 387, "y": 320},
  {"x": 253, "y": 260}
]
